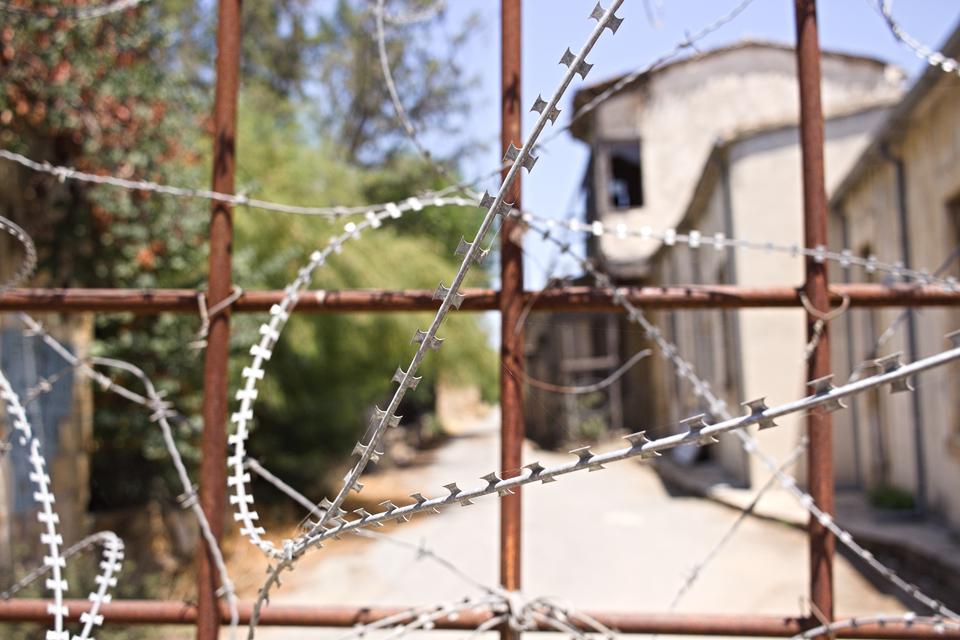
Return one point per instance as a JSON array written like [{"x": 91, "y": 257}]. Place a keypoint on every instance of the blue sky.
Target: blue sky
[{"x": 550, "y": 26}]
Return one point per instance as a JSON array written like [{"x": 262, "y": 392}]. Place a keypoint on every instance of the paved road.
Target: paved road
[{"x": 612, "y": 540}]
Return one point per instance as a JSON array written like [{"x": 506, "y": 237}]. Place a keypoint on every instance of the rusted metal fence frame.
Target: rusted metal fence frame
[{"x": 208, "y": 614}]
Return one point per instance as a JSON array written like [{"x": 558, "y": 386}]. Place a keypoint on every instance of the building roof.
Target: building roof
[
  {"x": 897, "y": 123},
  {"x": 636, "y": 80}
]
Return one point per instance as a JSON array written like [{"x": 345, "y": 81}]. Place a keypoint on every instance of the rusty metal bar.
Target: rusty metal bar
[
  {"x": 511, "y": 302},
  {"x": 128, "y": 612},
  {"x": 213, "y": 466},
  {"x": 380, "y": 301},
  {"x": 819, "y": 424}
]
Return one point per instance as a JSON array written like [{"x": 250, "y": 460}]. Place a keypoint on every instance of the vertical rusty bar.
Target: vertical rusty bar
[
  {"x": 820, "y": 452},
  {"x": 214, "y": 441},
  {"x": 511, "y": 306}
]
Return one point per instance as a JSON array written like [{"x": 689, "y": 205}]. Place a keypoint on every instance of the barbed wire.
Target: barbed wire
[
  {"x": 718, "y": 407},
  {"x": 83, "y": 13},
  {"x": 433, "y": 198},
  {"x": 931, "y": 56},
  {"x": 719, "y": 241},
  {"x": 471, "y": 251}
]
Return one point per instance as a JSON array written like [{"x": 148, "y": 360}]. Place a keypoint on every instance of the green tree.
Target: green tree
[
  {"x": 328, "y": 371},
  {"x": 128, "y": 94}
]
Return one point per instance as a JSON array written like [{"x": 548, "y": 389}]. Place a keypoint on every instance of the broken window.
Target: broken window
[{"x": 625, "y": 184}]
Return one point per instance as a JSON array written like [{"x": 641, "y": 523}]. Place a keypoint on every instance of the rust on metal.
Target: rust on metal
[
  {"x": 677, "y": 297},
  {"x": 511, "y": 302},
  {"x": 819, "y": 424},
  {"x": 166, "y": 612},
  {"x": 213, "y": 466}
]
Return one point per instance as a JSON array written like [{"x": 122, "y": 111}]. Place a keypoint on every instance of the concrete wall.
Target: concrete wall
[
  {"x": 753, "y": 192},
  {"x": 927, "y": 142}
]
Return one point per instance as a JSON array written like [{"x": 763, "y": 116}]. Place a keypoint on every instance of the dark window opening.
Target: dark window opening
[{"x": 626, "y": 184}]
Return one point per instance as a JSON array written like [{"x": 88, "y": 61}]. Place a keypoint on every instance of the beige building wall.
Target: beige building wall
[
  {"x": 924, "y": 138},
  {"x": 752, "y": 189}
]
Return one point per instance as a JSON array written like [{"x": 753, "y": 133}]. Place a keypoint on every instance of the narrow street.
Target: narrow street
[{"x": 614, "y": 540}]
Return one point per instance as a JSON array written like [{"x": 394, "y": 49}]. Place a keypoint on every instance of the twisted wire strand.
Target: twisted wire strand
[
  {"x": 719, "y": 241},
  {"x": 380, "y": 14},
  {"x": 189, "y": 499},
  {"x": 741, "y": 517},
  {"x": 910, "y": 619},
  {"x": 63, "y": 173}
]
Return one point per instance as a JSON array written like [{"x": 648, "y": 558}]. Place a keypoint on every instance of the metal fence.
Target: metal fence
[{"x": 208, "y": 614}]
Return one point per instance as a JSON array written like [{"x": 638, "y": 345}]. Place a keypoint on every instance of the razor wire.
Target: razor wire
[
  {"x": 383, "y": 419},
  {"x": 697, "y": 431},
  {"x": 57, "y": 584},
  {"x": 718, "y": 407},
  {"x": 888, "y": 334},
  {"x": 930, "y": 56},
  {"x": 84, "y": 13},
  {"x": 425, "y": 617},
  {"x": 261, "y": 352}
]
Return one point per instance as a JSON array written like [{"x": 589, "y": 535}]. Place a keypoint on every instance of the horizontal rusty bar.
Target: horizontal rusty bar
[
  {"x": 160, "y": 612},
  {"x": 567, "y": 299}
]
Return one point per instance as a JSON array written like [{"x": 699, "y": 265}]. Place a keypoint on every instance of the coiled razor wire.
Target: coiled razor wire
[
  {"x": 718, "y": 407},
  {"x": 83, "y": 545},
  {"x": 384, "y": 419},
  {"x": 161, "y": 413},
  {"x": 262, "y": 351},
  {"x": 57, "y": 584}
]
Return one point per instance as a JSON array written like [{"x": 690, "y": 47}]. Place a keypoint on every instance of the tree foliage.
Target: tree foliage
[{"x": 129, "y": 95}]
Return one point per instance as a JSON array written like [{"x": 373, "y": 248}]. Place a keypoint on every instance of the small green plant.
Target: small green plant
[{"x": 892, "y": 498}]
